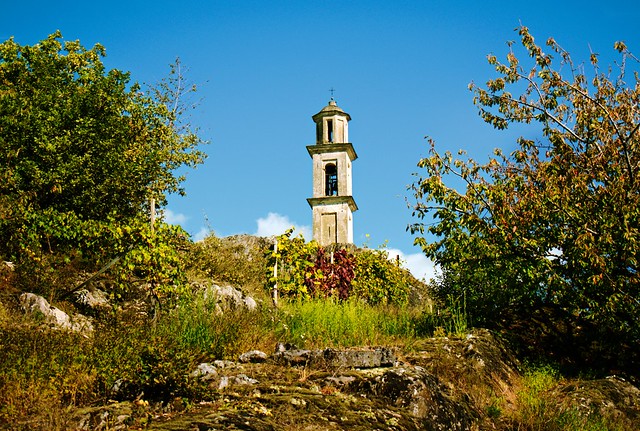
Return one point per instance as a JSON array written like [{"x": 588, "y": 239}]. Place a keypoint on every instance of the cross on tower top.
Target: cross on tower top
[{"x": 332, "y": 90}]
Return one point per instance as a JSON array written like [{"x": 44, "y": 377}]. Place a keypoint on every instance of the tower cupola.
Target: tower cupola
[{"x": 332, "y": 124}]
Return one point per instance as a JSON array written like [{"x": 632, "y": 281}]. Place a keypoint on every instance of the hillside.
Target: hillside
[{"x": 224, "y": 358}]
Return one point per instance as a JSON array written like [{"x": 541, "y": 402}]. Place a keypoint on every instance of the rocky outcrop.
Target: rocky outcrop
[
  {"x": 92, "y": 298},
  {"x": 40, "y": 309},
  {"x": 478, "y": 360},
  {"x": 225, "y": 297},
  {"x": 612, "y": 397},
  {"x": 368, "y": 386},
  {"x": 430, "y": 387},
  {"x": 418, "y": 392},
  {"x": 336, "y": 359}
]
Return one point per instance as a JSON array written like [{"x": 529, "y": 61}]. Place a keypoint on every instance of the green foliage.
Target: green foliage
[
  {"x": 306, "y": 270},
  {"x": 82, "y": 151},
  {"x": 240, "y": 261},
  {"x": 558, "y": 220},
  {"x": 139, "y": 359},
  {"x": 324, "y": 323},
  {"x": 154, "y": 257},
  {"x": 199, "y": 325},
  {"x": 380, "y": 280},
  {"x": 294, "y": 259}
]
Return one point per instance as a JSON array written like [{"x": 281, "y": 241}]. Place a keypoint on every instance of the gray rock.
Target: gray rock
[
  {"x": 40, "y": 309},
  {"x": 250, "y": 303},
  {"x": 93, "y": 298},
  {"x": 330, "y": 358},
  {"x": 205, "y": 371},
  {"x": 220, "y": 363},
  {"x": 254, "y": 356},
  {"x": 229, "y": 297},
  {"x": 340, "y": 380},
  {"x": 240, "y": 380},
  {"x": 418, "y": 391}
]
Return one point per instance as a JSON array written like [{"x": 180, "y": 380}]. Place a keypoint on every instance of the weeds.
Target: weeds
[
  {"x": 539, "y": 410},
  {"x": 45, "y": 373},
  {"x": 332, "y": 323}
]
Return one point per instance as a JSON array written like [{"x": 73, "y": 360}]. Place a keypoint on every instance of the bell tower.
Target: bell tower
[{"x": 332, "y": 203}]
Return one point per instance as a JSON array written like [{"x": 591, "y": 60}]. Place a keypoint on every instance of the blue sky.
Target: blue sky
[{"x": 400, "y": 69}]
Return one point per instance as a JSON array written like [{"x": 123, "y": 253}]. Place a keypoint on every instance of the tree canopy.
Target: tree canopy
[
  {"x": 82, "y": 151},
  {"x": 557, "y": 221}
]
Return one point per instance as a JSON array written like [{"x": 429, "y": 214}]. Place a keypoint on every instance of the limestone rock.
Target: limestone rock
[
  {"x": 239, "y": 380},
  {"x": 418, "y": 391},
  {"x": 254, "y": 356},
  {"x": 41, "y": 309},
  {"x": 219, "y": 374},
  {"x": 612, "y": 397},
  {"x": 331, "y": 358},
  {"x": 229, "y": 297},
  {"x": 205, "y": 371},
  {"x": 92, "y": 298}
]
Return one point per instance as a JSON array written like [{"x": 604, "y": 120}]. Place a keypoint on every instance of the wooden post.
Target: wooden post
[
  {"x": 152, "y": 211},
  {"x": 274, "y": 293}
]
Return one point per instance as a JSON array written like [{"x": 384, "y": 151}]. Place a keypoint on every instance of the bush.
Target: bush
[{"x": 306, "y": 270}]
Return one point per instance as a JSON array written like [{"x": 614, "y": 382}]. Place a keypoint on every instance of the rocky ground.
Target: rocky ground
[
  {"x": 472, "y": 382},
  {"x": 438, "y": 384}
]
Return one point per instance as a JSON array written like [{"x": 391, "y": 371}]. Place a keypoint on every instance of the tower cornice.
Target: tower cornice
[
  {"x": 333, "y": 148},
  {"x": 333, "y": 200}
]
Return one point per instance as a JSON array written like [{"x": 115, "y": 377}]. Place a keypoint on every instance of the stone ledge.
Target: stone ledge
[{"x": 331, "y": 358}]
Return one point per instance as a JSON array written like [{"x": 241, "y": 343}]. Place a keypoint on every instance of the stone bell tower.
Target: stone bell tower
[{"x": 332, "y": 204}]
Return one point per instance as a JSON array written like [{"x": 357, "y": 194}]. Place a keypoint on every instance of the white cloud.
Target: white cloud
[
  {"x": 276, "y": 224},
  {"x": 201, "y": 234},
  {"x": 418, "y": 264},
  {"x": 174, "y": 218}
]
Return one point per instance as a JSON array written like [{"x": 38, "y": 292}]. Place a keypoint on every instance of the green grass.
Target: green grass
[
  {"x": 538, "y": 409},
  {"x": 329, "y": 323},
  {"x": 44, "y": 372}
]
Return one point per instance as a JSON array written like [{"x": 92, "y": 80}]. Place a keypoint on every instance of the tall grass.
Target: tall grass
[
  {"x": 43, "y": 372},
  {"x": 200, "y": 324},
  {"x": 538, "y": 409},
  {"x": 330, "y": 323}
]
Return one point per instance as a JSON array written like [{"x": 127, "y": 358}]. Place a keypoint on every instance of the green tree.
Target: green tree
[
  {"x": 82, "y": 151},
  {"x": 557, "y": 221}
]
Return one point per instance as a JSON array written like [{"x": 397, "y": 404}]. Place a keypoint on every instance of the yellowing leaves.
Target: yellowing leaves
[{"x": 572, "y": 185}]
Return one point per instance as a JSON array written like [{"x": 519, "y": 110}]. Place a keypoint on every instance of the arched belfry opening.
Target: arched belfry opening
[
  {"x": 331, "y": 179},
  {"x": 332, "y": 203}
]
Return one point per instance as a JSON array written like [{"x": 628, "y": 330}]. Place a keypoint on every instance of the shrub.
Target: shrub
[{"x": 306, "y": 270}]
